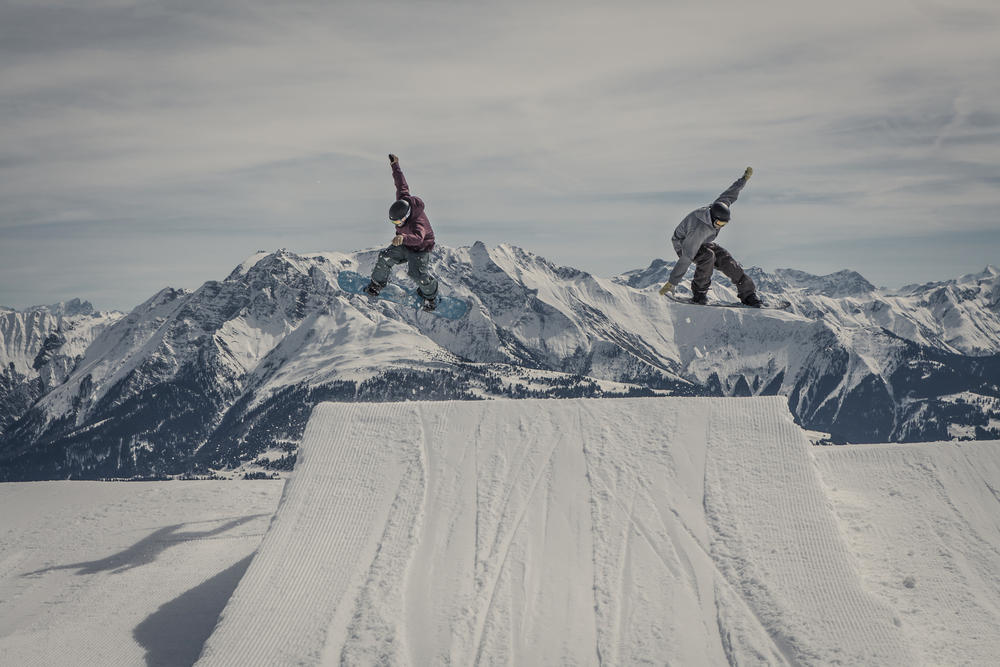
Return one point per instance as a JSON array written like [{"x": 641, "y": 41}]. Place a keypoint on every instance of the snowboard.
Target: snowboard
[
  {"x": 776, "y": 304},
  {"x": 449, "y": 307}
]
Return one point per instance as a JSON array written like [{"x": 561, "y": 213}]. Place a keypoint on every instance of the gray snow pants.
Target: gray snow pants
[
  {"x": 711, "y": 256},
  {"x": 418, "y": 269}
]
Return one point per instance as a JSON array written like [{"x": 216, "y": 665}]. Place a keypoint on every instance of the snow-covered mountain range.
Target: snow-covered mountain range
[
  {"x": 39, "y": 347},
  {"x": 226, "y": 375}
]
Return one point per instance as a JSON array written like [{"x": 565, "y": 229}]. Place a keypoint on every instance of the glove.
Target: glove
[
  {"x": 748, "y": 173},
  {"x": 667, "y": 287},
  {"x": 397, "y": 239},
  {"x": 393, "y": 159}
]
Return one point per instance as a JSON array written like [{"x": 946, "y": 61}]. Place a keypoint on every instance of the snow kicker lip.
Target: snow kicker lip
[{"x": 554, "y": 531}]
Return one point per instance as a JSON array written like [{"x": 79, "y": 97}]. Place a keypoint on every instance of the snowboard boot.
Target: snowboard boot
[
  {"x": 373, "y": 289},
  {"x": 700, "y": 298},
  {"x": 429, "y": 304},
  {"x": 753, "y": 300}
]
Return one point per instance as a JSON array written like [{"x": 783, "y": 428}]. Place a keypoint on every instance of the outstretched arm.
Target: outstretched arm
[
  {"x": 730, "y": 195},
  {"x": 402, "y": 189}
]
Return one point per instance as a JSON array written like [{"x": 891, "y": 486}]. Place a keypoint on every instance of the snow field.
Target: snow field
[
  {"x": 922, "y": 522},
  {"x": 95, "y": 573},
  {"x": 690, "y": 531}
]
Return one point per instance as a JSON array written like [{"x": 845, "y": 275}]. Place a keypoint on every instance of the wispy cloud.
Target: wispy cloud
[{"x": 244, "y": 125}]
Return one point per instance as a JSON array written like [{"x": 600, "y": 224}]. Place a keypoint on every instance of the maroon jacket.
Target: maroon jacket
[{"x": 416, "y": 231}]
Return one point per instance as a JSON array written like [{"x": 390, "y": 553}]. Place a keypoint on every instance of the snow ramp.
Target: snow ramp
[{"x": 585, "y": 531}]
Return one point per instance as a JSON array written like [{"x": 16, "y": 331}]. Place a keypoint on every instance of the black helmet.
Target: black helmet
[
  {"x": 399, "y": 210},
  {"x": 720, "y": 211}
]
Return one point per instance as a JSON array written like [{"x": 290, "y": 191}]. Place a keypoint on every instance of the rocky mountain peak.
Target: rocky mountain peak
[
  {"x": 844, "y": 283},
  {"x": 219, "y": 375}
]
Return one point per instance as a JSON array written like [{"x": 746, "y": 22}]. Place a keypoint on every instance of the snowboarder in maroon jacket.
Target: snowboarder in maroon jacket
[{"x": 412, "y": 243}]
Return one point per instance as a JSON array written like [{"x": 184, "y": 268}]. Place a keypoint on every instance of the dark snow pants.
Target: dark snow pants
[
  {"x": 418, "y": 269},
  {"x": 711, "y": 256}
]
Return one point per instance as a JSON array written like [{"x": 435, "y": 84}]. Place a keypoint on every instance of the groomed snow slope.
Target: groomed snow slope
[
  {"x": 689, "y": 531},
  {"x": 923, "y": 523}
]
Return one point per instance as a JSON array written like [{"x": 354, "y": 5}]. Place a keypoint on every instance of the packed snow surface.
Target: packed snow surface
[
  {"x": 125, "y": 573},
  {"x": 688, "y": 531},
  {"x": 625, "y": 531},
  {"x": 923, "y": 524}
]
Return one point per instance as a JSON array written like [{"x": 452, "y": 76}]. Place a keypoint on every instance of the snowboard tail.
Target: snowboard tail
[{"x": 448, "y": 307}]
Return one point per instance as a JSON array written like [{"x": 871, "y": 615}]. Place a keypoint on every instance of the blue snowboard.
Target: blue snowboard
[{"x": 448, "y": 306}]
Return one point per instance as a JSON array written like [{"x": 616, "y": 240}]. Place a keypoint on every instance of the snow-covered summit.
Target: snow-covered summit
[
  {"x": 839, "y": 284},
  {"x": 31, "y": 338},
  {"x": 227, "y": 372},
  {"x": 987, "y": 275},
  {"x": 39, "y": 347},
  {"x": 961, "y": 314}
]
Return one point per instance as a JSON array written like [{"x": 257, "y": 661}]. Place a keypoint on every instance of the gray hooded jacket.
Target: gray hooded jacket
[{"x": 696, "y": 229}]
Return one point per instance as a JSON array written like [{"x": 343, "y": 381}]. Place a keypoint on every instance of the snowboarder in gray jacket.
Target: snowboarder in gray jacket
[
  {"x": 412, "y": 243},
  {"x": 694, "y": 241}
]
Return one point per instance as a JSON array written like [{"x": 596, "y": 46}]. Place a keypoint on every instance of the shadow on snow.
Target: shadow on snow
[
  {"x": 146, "y": 550},
  {"x": 176, "y": 632}
]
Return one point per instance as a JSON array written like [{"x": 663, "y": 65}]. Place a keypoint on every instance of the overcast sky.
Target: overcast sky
[{"x": 151, "y": 143}]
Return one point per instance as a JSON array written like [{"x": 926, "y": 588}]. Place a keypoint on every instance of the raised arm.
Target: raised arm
[
  {"x": 730, "y": 195},
  {"x": 402, "y": 189}
]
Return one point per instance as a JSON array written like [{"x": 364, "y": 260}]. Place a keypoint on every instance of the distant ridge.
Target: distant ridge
[{"x": 220, "y": 380}]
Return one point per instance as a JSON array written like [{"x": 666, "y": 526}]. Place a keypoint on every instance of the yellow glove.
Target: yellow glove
[
  {"x": 748, "y": 173},
  {"x": 667, "y": 287}
]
